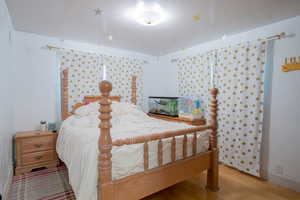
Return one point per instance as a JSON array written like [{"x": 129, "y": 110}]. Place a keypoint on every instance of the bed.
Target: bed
[{"x": 131, "y": 155}]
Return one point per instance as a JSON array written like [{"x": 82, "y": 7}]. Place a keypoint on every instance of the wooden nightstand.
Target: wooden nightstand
[
  {"x": 195, "y": 122},
  {"x": 35, "y": 149}
]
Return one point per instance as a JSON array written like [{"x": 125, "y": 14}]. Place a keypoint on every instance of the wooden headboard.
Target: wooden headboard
[{"x": 65, "y": 113}]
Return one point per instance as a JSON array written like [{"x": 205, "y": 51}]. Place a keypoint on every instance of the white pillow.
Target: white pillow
[
  {"x": 89, "y": 109},
  {"x": 118, "y": 109}
]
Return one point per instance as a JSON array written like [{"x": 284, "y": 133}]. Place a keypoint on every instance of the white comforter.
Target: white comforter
[{"x": 77, "y": 145}]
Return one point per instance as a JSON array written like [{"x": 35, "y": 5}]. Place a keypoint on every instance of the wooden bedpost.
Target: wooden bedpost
[
  {"x": 213, "y": 172},
  {"x": 133, "y": 90},
  {"x": 105, "y": 185},
  {"x": 64, "y": 94}
]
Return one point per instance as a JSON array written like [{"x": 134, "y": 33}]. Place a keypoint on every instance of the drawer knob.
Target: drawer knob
[
  {"x": 38, "y": 145},
  {"x": 38, "y": 157}
]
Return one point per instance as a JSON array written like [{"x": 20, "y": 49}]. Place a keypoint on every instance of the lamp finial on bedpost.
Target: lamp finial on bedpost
[{"x": 105, "y": 190}]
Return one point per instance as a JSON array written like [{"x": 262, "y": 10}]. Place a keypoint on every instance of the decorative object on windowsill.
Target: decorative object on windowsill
[
  {"x": 190, "y": 108},
  {"x": 43, "y": 126},
  {"x": 52, "y": 127},
  {"x": 291, "y": 64},
  {"x": 197, "y": 17}
]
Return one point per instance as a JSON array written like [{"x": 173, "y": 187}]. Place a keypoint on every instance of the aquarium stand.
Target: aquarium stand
[{"x": 195, "y": 122}]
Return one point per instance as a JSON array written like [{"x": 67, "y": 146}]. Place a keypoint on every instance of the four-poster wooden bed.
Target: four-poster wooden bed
[{"x": 149, "y": 181}]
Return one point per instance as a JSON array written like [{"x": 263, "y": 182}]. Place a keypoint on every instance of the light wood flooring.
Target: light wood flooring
[{"x": 234, "y": 185}]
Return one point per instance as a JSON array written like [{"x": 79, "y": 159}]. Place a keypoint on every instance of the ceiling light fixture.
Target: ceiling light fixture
[
  {"x": 98, "y": 11},
  {"x": 148, "y": 13}
]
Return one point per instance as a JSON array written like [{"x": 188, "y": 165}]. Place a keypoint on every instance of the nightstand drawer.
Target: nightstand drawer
[
  {"x": 38, "y": 157},
  {"x": 29, "y": 145}
]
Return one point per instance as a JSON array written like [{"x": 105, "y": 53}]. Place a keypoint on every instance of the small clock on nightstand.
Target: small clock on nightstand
[{"x": 35, "y": 149}]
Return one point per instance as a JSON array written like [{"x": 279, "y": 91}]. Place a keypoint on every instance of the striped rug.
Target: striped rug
[{"x": 48, "y": 184}]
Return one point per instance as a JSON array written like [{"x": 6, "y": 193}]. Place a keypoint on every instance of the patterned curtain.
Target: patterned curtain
[
  {"x": 86, "y": 71},
  {"x": 193, "y": 74},
  {"x": 120, "y": 70},
  {"x": 239, "y": 77}
]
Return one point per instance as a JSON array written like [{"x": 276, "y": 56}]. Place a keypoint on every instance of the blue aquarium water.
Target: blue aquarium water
[
  {"x": 185, "y": 107},
  {"x": 164, "y": 106}
]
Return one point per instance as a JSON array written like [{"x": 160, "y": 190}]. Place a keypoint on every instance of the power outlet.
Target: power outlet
[
  {"x": 278, "y": 170},
  {"x": 10, "y": 37}
]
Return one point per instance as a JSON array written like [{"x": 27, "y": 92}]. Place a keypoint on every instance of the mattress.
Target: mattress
[{"x": 77, "y": 145}]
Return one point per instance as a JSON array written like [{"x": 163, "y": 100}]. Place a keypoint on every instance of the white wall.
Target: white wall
[
  {"x": 37, "y": 77},
  {"x": 158, "y": 79},
  {"x": 6, "y": 110},
  {"x": 282, "y": 111}
]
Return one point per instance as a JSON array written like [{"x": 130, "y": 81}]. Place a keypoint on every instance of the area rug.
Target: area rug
[{"x": 47, "y": 184}]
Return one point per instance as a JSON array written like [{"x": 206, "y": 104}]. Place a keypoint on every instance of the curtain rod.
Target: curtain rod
[
  {"x": 270, "y": 38},
  {"x": 277, "y": 37},
  {"x": 50, "y": 47}
]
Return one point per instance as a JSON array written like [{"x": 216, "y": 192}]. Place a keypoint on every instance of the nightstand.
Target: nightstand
[{"x": 35, "y": 149}]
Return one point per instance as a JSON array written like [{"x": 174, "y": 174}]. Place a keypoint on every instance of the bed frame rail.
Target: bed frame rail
[
  {"x": 159, "y": 136},
  {"x": 145, "y": 183}
]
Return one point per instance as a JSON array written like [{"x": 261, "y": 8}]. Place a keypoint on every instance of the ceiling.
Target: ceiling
[{"x": 76, "y": 20}]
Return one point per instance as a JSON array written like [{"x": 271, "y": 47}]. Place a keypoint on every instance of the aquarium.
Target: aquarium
[{"x": 164, "y": 106}]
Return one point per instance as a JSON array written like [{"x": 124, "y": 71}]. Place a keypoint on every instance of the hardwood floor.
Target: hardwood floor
[{"x": 234, "y": 185}]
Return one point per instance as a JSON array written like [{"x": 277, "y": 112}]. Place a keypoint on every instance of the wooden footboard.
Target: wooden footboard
[{"x": 150, "y": 181}]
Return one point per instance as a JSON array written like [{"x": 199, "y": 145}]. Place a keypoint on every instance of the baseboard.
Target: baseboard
[
  {"x": 8, "y": 184},
  {"x": 284, "y": 182}
]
